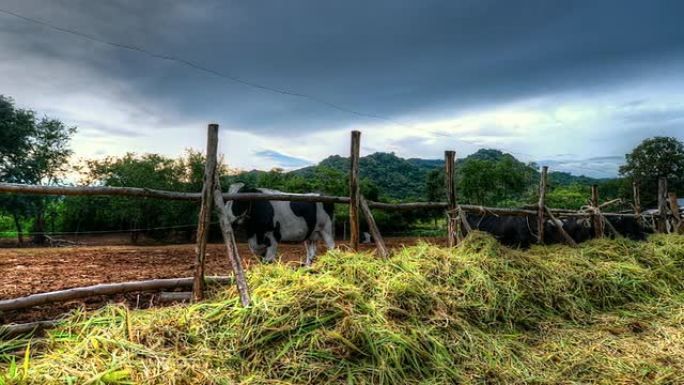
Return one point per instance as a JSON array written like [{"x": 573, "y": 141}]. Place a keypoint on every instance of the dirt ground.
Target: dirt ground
[{"x": 27, "y": 271}]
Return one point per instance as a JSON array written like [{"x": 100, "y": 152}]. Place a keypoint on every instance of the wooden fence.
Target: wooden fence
[{"x": 211, "y": 197}]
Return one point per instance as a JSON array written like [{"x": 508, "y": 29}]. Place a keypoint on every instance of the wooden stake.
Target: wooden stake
[
  {"x": 204, "y": 220},
  {"x": 464, "y": 220},
  {"x": 637, "y": 199},
  {"x": 596, "y": 218},
  {"x": 7, "y": 332},
  {"x": 662, "y": 205},
  {"x": 559, "y": 225},
  {"x": 354, "y": 191},
  {"x": 174, "y": 296},
  {"x": 231, "y": 247},
  {"x": 449, "y": 159},
  {"x": 101, "y": 289},
  {"x": 610, "y": 203},
  {"x": 611, "y": 227},
  {"x": 375, "y": 231},
  {"x": 542, "y": 204}
]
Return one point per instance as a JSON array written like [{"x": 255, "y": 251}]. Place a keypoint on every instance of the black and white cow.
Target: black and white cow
[{"x": 270, "y": 222}]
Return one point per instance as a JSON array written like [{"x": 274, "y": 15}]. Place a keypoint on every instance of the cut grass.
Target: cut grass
[{"x": 611, "y": 311}]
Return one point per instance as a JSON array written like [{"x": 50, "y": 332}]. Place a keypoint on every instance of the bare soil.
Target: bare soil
[{"x": 26, "y": 271}]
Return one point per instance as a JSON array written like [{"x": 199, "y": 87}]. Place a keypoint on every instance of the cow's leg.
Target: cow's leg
[
  {"x": 310, "y": 245},
  {"x": 272, "y": 249},
  {"x": 255, "y": 247},
  {"x": 328, "y": 239}
]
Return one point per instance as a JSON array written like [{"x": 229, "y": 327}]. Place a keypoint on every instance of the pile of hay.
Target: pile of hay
[{"x": 606, "y": 312}]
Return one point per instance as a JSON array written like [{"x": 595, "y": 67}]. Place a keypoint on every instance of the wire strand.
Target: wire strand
[{"x": 202, "y": 68}]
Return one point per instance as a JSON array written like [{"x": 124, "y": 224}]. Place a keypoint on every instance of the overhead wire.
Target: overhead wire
[
  {"x": 245, "y": 82},
  {"x": 202, "y": 68}
]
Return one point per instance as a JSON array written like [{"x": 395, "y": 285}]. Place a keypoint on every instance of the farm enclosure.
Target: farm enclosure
[
  {"x": 34, "y": 270},
  {"x": 457, "y": 222}
]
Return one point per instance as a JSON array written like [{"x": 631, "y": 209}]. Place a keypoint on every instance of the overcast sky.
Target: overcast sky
[{"x": 571, "y": 84}]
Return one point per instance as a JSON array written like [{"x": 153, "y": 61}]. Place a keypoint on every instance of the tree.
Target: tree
[
  {"x": 32, "y": 152},
  {"x": 568, "y": 197},
  {"x": 654, "y": 158},
  {"x": 435, "y": 189},
  {"x": 155, "y": 171},
  {"x": 16, "y": 126},
  {"x": 490, "y": 182}
]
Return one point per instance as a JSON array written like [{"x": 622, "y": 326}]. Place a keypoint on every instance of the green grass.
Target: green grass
[{"x": 611, "y": 311}]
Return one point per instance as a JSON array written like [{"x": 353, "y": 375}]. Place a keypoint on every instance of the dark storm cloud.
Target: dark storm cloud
[{"x": 389, "y": 58}]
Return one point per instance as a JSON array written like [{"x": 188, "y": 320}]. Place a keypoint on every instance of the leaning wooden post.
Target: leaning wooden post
[
  {"x": 373, "y": 227},
  {"x": 449, "y": 158},
  {"x": 637, "y": 199},
  {"x": 205, "y": 212},
  {"x": 596, "y": 217},
  {"x": 559, "y": 226},
  {"x": 662, "y": 205},
  {"x": 354, "y": 191},
  {"x": 542, "y": 204},
  {"x": 231, "y": 247}
]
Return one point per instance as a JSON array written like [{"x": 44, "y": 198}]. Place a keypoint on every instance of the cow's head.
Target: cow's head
[{"x": 237, "y": 210}]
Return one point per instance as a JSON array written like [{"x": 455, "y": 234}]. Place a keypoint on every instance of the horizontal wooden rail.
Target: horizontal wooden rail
[
  {"x": 97, "y": 190},
  {"x": 172, "y": 195},
  {"x": 407, "y": 206},
  {"x": 139, "y": 192},
  {"x": 12, "y": 330},
  {"x": 101, "y": 289}
]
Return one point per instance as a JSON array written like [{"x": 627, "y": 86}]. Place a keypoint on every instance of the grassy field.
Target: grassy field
[{"x": 609, "y": 312}]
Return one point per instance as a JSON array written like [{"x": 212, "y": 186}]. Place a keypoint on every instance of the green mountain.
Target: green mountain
[
  {"x": 395, "y": 177},
  {"x": 405, "y": 179}
]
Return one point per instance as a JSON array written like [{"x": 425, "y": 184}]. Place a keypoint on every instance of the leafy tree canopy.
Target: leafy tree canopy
[
  {"x": 653, "y": 158},
  {"x": 32, "y": 151}
]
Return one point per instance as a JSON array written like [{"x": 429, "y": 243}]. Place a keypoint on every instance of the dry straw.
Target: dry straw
[{"x": 608, "y": 312}]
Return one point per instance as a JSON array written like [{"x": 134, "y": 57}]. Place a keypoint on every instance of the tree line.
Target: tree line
[{"x": 37, "y": 150}]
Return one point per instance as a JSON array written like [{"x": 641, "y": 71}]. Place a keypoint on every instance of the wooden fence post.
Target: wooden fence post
[
  {"x": 354, "y": 192},
  {"x": 674, "y": 208},
  {"x": 637, "y": 199},
  {"x": 231, "y": 247},
  {"x": 452, "y": 224},
  {"x": 559, "y": 226},
  {"x": 204, "y": 220},
  {"x": 541, "y": 205},
  {"x": 662, "y": 205},
  {"x": 374, "y": 230},
  {"x": 596, "y": 217}
]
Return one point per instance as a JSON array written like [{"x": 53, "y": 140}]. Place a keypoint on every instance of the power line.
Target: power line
[{"x": 201, "y": 68}]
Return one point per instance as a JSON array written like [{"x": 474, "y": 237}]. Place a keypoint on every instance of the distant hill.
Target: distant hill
[
  {"x": 404, "y": 179},
  {"x": 396, "y": 177}
]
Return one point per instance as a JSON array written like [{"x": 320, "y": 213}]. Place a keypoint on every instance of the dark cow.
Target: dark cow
[
  {"x": 270, "y": 222},
  {"x": 522, "y": 231},
  {"x": 631, "y": 227},
  {"x": 579, "y": 229},
  {"x": 509, "y": 230}
]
